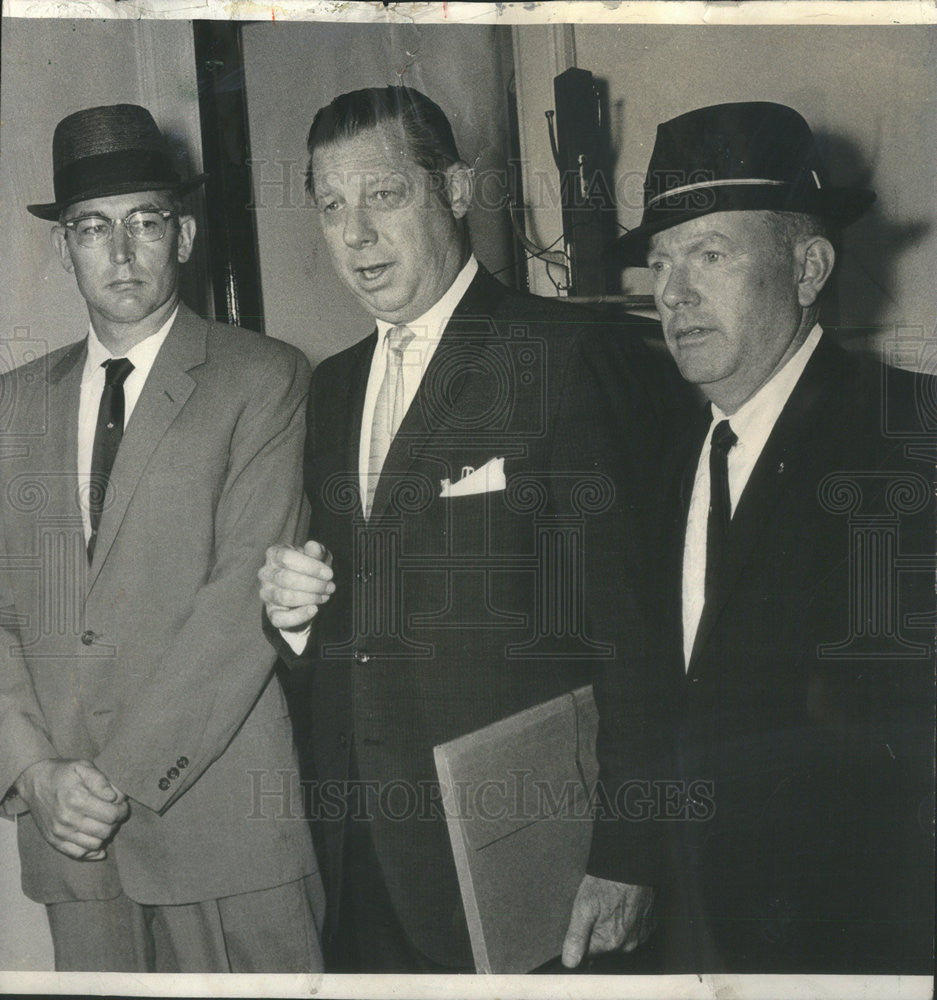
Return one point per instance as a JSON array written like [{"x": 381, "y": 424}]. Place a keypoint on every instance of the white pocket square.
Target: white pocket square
[{"x": 488, "y": 479}]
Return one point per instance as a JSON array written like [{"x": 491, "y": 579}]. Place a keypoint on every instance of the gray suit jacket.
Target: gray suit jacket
[{"x": 152, "y": 661}]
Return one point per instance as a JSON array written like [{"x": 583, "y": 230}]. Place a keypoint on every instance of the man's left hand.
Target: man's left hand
[{"x": 608, "y": 916}]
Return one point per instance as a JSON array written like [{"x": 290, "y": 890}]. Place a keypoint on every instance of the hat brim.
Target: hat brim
[
  {"x": 836, "y": 206},
  {"x": 50, "y": 212}
]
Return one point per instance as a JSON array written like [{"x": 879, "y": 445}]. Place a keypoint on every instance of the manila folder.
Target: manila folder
[{"x": 517, "y": 797}]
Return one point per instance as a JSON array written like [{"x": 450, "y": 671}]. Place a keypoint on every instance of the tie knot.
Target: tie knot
[
  {"x": 398, "y": 337},
  {"x": 724, "y": 437},
  {"x": 116, "y": 370}
]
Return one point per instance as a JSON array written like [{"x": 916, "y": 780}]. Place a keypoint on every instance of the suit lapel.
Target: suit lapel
[
  {"x": 782, "y": 462},
  {"x": 352, "y": 393},
  {"x": 444, "y": 383},
  {"x": 679, "y": 472},
  {"x": 54, "y": 456},
  {"x": 688, "y": 459},
  {"x": 166, "y": 391}
]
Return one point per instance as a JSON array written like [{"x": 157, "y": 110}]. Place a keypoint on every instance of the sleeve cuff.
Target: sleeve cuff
[{"x": 296, "y": 640}]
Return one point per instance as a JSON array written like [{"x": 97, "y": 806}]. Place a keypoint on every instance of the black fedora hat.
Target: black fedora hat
[
  {"x": 732, "y": 157},
  {"x": 115, "y": 149}
]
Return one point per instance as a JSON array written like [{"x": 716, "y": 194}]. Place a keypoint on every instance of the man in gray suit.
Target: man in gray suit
[{"x": 138, "y": 706}]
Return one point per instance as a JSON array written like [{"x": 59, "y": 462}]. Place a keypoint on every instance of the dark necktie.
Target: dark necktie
[
  {"x": 107, "y": 435},
  {"x": 720, "y": 503}
]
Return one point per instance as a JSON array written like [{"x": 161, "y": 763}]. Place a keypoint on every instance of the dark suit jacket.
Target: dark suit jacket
[
  {"x": 445, "y": 618},
  {"x": 801, "y": 737},
  {"x": 152, "y": 661}
]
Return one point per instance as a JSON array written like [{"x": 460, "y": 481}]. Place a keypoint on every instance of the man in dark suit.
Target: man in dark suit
[
  {"x": 791, "y": 701},
  {"x": 138, "y": 705},
  {"x": 454, "y": 464}
]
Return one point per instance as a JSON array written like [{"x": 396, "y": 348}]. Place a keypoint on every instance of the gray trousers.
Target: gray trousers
[{"x": 272, "y": 930}]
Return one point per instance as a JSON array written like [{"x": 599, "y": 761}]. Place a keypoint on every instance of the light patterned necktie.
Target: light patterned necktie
[{"x": 389, "y": 409}]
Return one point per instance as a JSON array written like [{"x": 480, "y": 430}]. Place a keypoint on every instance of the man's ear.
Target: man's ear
[
  {"x": 59, "y": 241},
  {"x": 460, "y": 186},
  {"x": 186, "y": 238},
  {"x": 817, "y": 257}
]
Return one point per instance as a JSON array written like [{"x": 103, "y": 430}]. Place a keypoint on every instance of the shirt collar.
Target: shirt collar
[
  {"x": 141, "y": 355},
  {"x": 431, "y": 324},
  {"x": 764, "y": 408}
]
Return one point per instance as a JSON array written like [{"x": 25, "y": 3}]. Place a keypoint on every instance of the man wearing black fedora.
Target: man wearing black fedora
[
  {"x": 789, "y": 700},
  {"x": 140, "y": 721}
]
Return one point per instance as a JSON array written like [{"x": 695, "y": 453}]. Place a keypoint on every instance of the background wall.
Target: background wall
[
  {"x": 291, "y": 70},
  {"x": 869, "y": 95}
]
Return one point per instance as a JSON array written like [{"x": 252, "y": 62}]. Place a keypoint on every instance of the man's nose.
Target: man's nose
[
  {"x": 359, "y": 229},
  {"x": 121, "y": 247},
  {"x": 679, "y": 289}
]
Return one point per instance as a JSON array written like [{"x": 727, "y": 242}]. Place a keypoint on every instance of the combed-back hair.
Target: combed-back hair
[{"x": 426, "y": 129}]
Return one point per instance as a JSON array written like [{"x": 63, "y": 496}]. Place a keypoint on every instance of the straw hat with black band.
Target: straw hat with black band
[
  {"x": 110, "y": 150},
  {"x": 733, "y": 157}
]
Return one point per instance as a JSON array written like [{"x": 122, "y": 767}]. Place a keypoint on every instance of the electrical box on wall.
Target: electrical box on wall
[{"x": 585, "y": 182}]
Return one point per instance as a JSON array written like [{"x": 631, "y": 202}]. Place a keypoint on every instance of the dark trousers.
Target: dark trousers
[{"x": 367, "y": 935}]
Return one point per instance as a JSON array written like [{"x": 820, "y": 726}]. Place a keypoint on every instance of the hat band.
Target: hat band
[
  {"x": 683, "y": 189},
  {"x": 92, "y": 176}
]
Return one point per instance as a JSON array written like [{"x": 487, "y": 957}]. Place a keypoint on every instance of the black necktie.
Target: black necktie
[
  {"x": 107, "y": 435},
  {"x": 720, "y": 503}
]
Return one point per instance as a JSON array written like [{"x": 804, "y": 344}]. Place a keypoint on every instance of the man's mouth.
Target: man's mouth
[
  {"x": 124, "y": 283},
  {"x": 690, "y": 333},
  {"x": 372, "y": 272}
]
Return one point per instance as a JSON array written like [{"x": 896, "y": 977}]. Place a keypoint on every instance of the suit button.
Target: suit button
[
  {"x": 362, "y": 656},
  {"x": 163, "y": 784},
  {"x": 87, "y": 637},
  {"x": 173, "y": 773},
  {"x": 182, "y": 762},
  {"x": 342, "y": 740}
]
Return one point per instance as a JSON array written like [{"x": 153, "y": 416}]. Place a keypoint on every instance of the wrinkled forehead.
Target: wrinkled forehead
[
  {"x": 375, "y": 150},
  {"x": 742, "y": 228},
  {"x": 119, "y": 205}
]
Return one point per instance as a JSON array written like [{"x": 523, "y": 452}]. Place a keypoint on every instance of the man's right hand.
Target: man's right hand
[
  {"x": 294, "y": 582},
  {"x": 75, "y": 807}
]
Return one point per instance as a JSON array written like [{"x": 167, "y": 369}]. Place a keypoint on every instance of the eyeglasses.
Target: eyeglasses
[{"x": 95, "y": 230}]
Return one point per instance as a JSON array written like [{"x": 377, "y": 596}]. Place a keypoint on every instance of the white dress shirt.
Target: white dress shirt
[
  {"x": 752, "y": 424},
  {"x": 141, "y": 356},
  {"x": 427, "y": 330}
]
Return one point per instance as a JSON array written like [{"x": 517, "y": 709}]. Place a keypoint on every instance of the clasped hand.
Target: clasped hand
[
  {"x": 75, "y": 807},
  {"x": 294, "y": 582}
]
